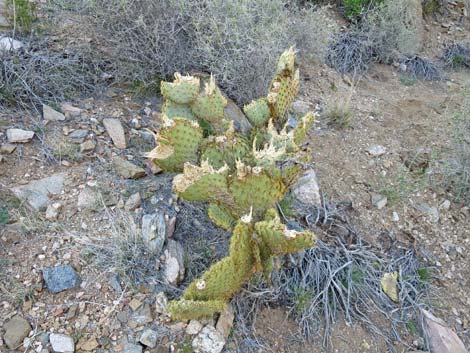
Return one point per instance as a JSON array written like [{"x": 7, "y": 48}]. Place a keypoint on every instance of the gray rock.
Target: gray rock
[
  {"x": 225, "y": 322},
  {"x": 376, "y": 150},
  {"x": 300, "y": 107},
  {"x": 87, "y": 146},
  {"x": 16, "y": 330},
  {"x": 379, "y": 201},
  {"x": 78, "y": 136},
  {"x": 36, "y": 193},
  {"x": 441, "y": 338},
  {"x": 234, "y": 113},
  {"x": 430, "y": 211},
  {"x": 52, "y": 211},
  {"x": 61, "y": 343},
  {"x": 60, "y": 278},
  {"x": 9, "y": 44},
  {"x": 161, "y": 303},
  {"x": 134, "y": 201},
  {"x": 132, "y": 348},
  {"x": 50, "y": 114},
  {"x": 149, "y": 338},
  {"x": 127, "y": 169},
  {"x": 44, "y": 338},
  {"x": 153, "y": 231},
  {"x": 19, "y": 135},
  {"x": 8, "y": 148},
  {"x": 209, "y": 340},
  {"x": 174, "y": 265},
  {"x": 142, "y": 316},
  {"x": 70, "y": 111},
  {"x": 115, "y": 282},
  {"x": 306, "y": 191},
  {"x": 193, "y": 328},
  {"x": 88, "y": 199},
  {"x": 116, "y": 132}
]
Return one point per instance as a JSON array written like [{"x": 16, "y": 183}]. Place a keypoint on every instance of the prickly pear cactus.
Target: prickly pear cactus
[{"x": 241, "y": 177}]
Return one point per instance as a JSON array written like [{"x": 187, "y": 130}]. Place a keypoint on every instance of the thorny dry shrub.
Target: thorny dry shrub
[
  {"x": 238, "y": 41},
  {"x": 37, "y": 74},
  {"x": 456, "y": 55}
]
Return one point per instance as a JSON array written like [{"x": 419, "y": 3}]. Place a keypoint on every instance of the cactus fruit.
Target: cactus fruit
[
  {"x": 252, "y": 248},
  {"x": 257, "y": 112},
  {"x": 177, "y": 142},
  {"x": 183, "y": 90}
]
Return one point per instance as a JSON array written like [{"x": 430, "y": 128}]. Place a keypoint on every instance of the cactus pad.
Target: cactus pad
[
  {"x": 174, "y": 110},
  {"x": 183, "y": 90},
  {"x": 257, "y": 112},
  {"x": 210, "y": 104},
  {"x": 220, "y": 217}
]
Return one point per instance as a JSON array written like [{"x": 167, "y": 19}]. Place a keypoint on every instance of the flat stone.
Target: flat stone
[
  {"x": 306, "y": 190},
  {"x": 10, "y": 44},
  {"x": 132, "y": 348},
  {"x": 87, "y": 146},
  {"x": 134, "y": 201},
  {"x": 52, "y": 211},
  {"x": 50, "y": 114},
  {"x": 161, "y": 303},
  {"x": 115, "y": 131},
  {"x": 225, "y": 322},
  {"x": 60, "y": 278},
  {"x": 89, "y": 345},
  {"x": 36, "y": 193},
  {"x": 19, "y": 135},
  {"x": 209, "y": 340},
  {"x": 441, "y": 338},
  {"x": 379, "y": 201},
  {"x": 149, "y": 338},
  {"x": 234, "y": 113},
  {"x": 153, "y": 231},
  {"x": 88, "y": 199},
  {"x": 141, "y": 316},
  {"x": 376, "y": 150},
  {"x": 174, "y": 265},
  {"x": 8, "y": 148},
  {"x": 61, "y": 343},
  {"x": 70, "y": 111},
  {"x": 78, "y": 136},
  {"x": 430, "y": 211},
  {"x": 127, "y": 169},
  {"x": 16, "y": 330}
]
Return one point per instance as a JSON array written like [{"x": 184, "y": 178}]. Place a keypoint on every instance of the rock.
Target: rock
[
  {"x": 174, "y": 265},
  {"x": 19, "y": 135},
  {"x": 61, "y": 343},
  {"x": 155, "y": 169},
  {"x": 126, "y": 169},
  {"x": 300, "y": 107},
  {"x": 133, "y": 202},
  {"x": 8, "y": 148},
  {"x": 3, "y": 14},
  {"x": 376, "y": 150},
  {"x": 378, "y": 201},
  {"x": 115, "y": 282},
  {"x": 132, "y": 348},
  {"x": 162, "y": 349},
  {"x": 115, "y": 131},
  {"x": 389, "y": 284},
  {"x": 445, "y": 205},
  {"x": 60, "y": 278},
  {"x": 78, "y": 136},
  {"x": 36, "y": 193},
  {"x": 52, "y": 211},
  {"x": 234, "y": 113},
  {"x": 209, "y": 340},
  {"x": 87, "y": 146},
  {"x": 9, "y": 44},
  {"x": 225, "y": 322},
  {"x": 16, "y": 330},
  {"x": 161, "y": 303},
  {"x": 50, "y": 114},
  {"x": 153, "y": 231},
  {"x": 149, "y": 338},
  {"x": 135, "y": 304},
  {"x": 430, "y": 211},
  {"x": 441, "y": 338},
  {"x": 193, "y": 328},
  {"x": 2, "y": 159},
  {"x": 142, "y": 316},
  {"x": 89, "y": 345},
  {"x": 306, "y": 190},
  {"x": 70, "y": 111},
  {"x": 88, "y": 199}
]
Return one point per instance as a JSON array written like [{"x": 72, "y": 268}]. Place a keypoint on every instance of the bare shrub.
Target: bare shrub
[
  {"x": 238, "y": 41},
  {"x": 456, "y": 55},
  {"x": 419, "y": 67}
]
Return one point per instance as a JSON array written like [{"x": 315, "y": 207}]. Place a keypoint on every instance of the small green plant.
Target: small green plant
[
  {"x": 23, "y": 14},
  {"x": 354, "y": 9},
  {"x": 4, "y": 216}
]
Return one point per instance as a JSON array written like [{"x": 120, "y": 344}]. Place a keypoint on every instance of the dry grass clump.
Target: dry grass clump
[
  {"x": 238, "y": 41},
  {"x": 339, "y": 111}
]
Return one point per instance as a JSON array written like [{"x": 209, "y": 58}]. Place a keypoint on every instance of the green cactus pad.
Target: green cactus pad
[
  {"x": 210, "y": 104},
  {"x": 257, "y": 112},
  {"x": 214, "y": 155},
  {"x": 302, "y": 128},
  {"x": 183, "y": 90},
  {"x": 174, "y": 110},
  {"x": 220, "y": 217},
  {"x": 282, "y": 95},
  {"x": 191, "y": 309},
  {"x": 182, "y": 138}
]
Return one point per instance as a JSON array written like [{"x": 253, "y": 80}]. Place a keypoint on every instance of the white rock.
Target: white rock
[
  {"x": 306, "y": 190},
  {"x": 161, "y": 303},
  {"x": 174, "y": 265},
  {"x": 115, "y": 131},
  {"x": 194, "y": 327},
  {"x": 62, "y": 343},
  {"x": 153, "y": 231},
  {"x": 7, "y": 44},
  {"x": 50, "y": 114},
  {"x": 133, "y": 202},
  {"x": 209, "y": 340},
  {"x": 19, "y": 135},
  {"x": 70, "y": 111},
  {"x": 376, "y": 150},
  {"x": 379, "y": 201},
  {"x": 52, "y": 211},
  {"x": 225, "y": 322}
]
